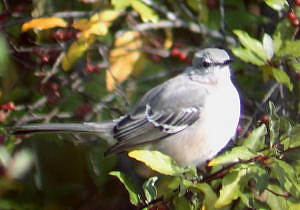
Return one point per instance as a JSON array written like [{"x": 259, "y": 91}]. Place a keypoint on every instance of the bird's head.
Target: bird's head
[{"x": 212, "y": 61}]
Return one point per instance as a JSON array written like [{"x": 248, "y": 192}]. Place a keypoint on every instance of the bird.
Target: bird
[{"x": 190, "y": 117}]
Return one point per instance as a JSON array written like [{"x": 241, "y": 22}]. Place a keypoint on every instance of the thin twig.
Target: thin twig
[{"x": 55, "y": 68}]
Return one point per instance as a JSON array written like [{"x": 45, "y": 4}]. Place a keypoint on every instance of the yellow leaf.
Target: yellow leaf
[
  {"x": 123, "y": 58},
  {"x": 98, "y": 24},
  {"x": 169, "y": 39},
  {"x": 75, "y": 51},
  {"x": 107, "y": 16},
  {"x": 82, "y": 24},
  {"x": 44, "y": 23}
]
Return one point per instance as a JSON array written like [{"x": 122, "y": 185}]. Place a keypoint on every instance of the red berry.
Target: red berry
[
  {"x": 297, "y": 2},
  {"x": 182, "y": 56},
  {"x": 247, "y": 133},
  {"x": 10, "y": 106},
  {"x": 298, "y": 76},
  {"x": 175, "y": 52},
  {"x": 45, "y": 59},
  {"x": 90, "y": 68},
  {"x": 295, "y": 22},
  {"x": 211, "y": 4},
  {"x": 2, "y": 139},
  {"x": 264, "y": 118},
  {"x": 291, "y": 15}
]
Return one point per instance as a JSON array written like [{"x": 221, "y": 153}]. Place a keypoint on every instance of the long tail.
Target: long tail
[{"x": 104, "y": 129}]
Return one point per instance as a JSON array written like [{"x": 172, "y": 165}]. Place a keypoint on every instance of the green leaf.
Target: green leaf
[
  {"x": 289, "y": 49},
  {"x": 150, "y": 189},
  {"x": 256, "y": 140},
  {"x": 230, "y": 188},
  {"x": 157, "y": 161},
  {"x": 282, "y": 77},
  {"x": 251, "y": 44},
  {"x": 233, "y": 156},
  {"x": 284, "y": 31},
  {"x": 276, "y": 202},
  {"x": 277, "y": 5},
  {"x": 133, "y": 195},
  {"x": 286, "y": 176},
  {"x": 147, "y": 14},
  {"x": 247, "y": 56},
  {"x": 4, "y": 156},
  {"x": 210, "y": 197},
  {"x": 268, "y": 46},
  {"x": 3, "y": 56},
  {"x": 181, "y": 203},
  {"x": 120, "y": 4}
]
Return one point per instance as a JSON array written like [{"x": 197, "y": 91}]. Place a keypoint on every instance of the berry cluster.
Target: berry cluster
[
  {"x": 181, "y": 55},
  {"x": 51, "y": 90},
  {"x": 292, "y": 16},
  {"x": 10, "y": 106}
]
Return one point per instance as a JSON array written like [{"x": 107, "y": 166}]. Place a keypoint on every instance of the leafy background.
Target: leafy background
[{"x": 90, "y": 60}]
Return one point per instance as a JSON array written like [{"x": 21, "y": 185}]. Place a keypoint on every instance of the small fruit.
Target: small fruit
[
  {"x": 295, "y": 22},
  {"x": 264, "y": 118},
  {"x": 175, "y": 52},
  {"x": 10, "y": 106},
  {"x": 182, "y": 56},
  {"x": 291, "y": 15},
  {"x": 297, "y": 3}
]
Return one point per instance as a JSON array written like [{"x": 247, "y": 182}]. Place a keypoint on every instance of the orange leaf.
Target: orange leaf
[
  {"x": 44, "y": 23},
  {"x": 123, "y": 58}
]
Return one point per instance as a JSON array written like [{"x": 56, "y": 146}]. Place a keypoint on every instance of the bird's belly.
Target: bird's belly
[{"x": 206, "y": 137}]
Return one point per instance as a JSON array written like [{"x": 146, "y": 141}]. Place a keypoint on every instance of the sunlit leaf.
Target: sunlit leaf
[
  {"x": 277, "y": 4},
  {"x": 247, "y": 56},
  {"x": 256, "y": 140},
  {"x": 124, "y": 58},
  {"x": 282, "y": 77},
  {"x": 157, "y": 161},
  {"x": 76, "y": 50},
  {"x": 44, "y": 23},
  {"x": 230, "y": 188},
  {"x": 4, "y": 156},
  {"x": 234, "y": 155},
  {"x": 251, "y": 44},
  {"x": 268, "y": 46},
  {"x": 289, "y": 49},
  {"x": 98, "y": 24},
  {"x": 133, "y": 195},
  {"x": 120, "y": 4},
  {"x": 150, "y": 189},
  {"x": 147, "y": 13},
  {"x": 20, "y": 164}
]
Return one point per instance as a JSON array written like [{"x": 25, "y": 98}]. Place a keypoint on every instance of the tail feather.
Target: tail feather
[{"x": 102, "y": 129}]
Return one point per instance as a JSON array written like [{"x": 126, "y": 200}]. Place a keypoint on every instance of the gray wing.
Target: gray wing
[{"x": 165, "y": 110}]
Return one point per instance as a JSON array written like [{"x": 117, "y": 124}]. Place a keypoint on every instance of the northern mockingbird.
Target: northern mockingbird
[{"x": 190, "y": 117}]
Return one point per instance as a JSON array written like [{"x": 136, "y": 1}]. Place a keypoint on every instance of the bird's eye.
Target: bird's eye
[{"x": 206, "y": 64}]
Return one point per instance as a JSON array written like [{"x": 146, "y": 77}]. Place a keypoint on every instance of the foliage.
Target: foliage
[{"x": 66, "y": 61}]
